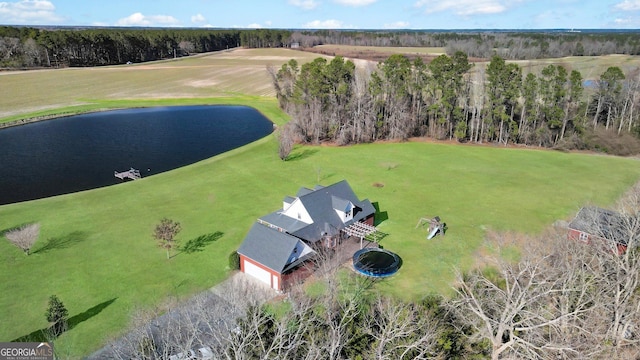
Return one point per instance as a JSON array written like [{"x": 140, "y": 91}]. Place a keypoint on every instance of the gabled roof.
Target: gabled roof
[
  {"x": 320, "y": 203},
  {"x": 275, "y": 250},
  {"x": 275, "y": 239},
  {"x": 340, "y": 203},
  {"x": 304, "y": 191},
  {"x": 284, "y": 222},
  {"x": 603, "y": 223}
]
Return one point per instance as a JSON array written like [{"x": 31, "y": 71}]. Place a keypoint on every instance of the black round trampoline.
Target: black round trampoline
[{"x": 376, "y": 262}]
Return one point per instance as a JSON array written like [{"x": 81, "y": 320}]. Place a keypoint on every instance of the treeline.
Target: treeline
[
  {"x": 449, "y": 99},
  {"x": 485, "y": 44},
  {"x": 26, "y": 47}
]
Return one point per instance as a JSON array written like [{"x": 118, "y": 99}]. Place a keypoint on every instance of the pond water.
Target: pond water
[{"x": 82, "y": 152}]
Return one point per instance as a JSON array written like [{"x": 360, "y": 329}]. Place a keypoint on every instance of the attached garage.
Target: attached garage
[
  {"x": 267, "y": 253},
  {"x": 249, "y": 268}
]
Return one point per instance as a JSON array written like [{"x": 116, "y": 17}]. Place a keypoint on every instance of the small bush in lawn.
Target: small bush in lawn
[{"x": 234, "y": 261}]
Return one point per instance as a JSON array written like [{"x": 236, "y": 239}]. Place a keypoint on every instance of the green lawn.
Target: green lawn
[
  {"x": 101, "y": 249},
  {"x": 96, "y": 251}
]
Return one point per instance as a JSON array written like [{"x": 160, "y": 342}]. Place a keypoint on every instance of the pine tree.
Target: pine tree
[{"x": 57, "y": 314}]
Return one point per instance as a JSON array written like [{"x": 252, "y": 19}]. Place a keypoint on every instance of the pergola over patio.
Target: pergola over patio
[{"x": 362, "y": 230}]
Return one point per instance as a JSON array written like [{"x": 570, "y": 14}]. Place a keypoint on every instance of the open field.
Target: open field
[
  {"x": 375, "y": 52},
  {"x": 386, "y": 49},
  {"x": 97, "y": 254},
  {"x": 221, "y": 74},
  {"x": 96, "y": 246},
  {"x": 591, "y": 67}
]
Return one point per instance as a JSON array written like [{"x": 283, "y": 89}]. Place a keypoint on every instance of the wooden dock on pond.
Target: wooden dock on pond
[{"x": 131, "y": 174}]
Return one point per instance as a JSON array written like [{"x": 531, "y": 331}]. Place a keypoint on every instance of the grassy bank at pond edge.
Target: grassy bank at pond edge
[
  {"x": 267, "y": 106},
  {"x": 96, "y": 251}
]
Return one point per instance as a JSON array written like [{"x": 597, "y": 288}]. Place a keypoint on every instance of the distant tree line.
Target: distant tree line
[
  {"x": 485, "y": 44},
  {"x": 449, "y": 99},
  {"x": 27, "y": 47}
]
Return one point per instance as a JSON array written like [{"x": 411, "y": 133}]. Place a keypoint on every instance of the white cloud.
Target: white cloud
[
  {"x": 355, "y": 3},
  {"x": 397, "y": 25},
  {"x": 198, "y": 19},
  {"x": 304, "y": 4},
  {"x": 254, "y": 26},
  {"x": 324, "y": 24},
  {"x": 138, "y": 19},
  {"x": 628, "y": 22},
  {"x": 25, "y": 12},
  {"x": 628, "y": 5},
  {"x": 465, "y": 7}
]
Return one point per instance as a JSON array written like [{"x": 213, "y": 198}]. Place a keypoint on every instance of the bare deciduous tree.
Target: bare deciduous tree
[
  {"x": 24, "y": 237},
  {"x": 401, "y": 331},
  {"x": 286, "y": 140},
  {"x": 522, "y": 309},
  {"x": 165, "y": 233}
]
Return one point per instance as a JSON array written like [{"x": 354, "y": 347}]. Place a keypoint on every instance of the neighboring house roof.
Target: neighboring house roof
[
  {"x": 321, "y": 204},
  {"x": 275, "y": 250},
  {"x": 603, "y": 223}
]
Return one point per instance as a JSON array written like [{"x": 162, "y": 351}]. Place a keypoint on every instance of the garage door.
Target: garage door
[{"x": 257, "y": 272}]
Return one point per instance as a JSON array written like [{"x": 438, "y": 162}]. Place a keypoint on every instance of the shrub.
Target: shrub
[
  {"x": 234, "y": 261},
  {"x": 608, "y": 141}
]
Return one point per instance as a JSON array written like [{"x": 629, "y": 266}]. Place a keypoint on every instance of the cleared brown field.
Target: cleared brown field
[
  {"x": 386, "y": 49},
  {"x": 228, "y": 73},
  {"x": 376, "y": 54}
]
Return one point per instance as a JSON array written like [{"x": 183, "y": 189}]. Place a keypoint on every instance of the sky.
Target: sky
[{"x": 328, "y": 14}]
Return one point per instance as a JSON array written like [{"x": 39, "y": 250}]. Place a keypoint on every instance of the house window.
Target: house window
[{"x": 584, "y": 237}]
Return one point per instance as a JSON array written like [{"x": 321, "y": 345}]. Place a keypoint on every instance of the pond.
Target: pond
[{"x": 82, "y": 152}]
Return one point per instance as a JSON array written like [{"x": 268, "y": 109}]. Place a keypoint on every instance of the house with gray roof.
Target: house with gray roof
[
  {"x": 602, "y": 227},
  {"x": 280, "y": 242}
]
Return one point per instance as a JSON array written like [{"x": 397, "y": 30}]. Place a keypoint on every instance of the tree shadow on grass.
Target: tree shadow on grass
[
  {"x": 198, "y": 244},
  {"x": 301, "y": 154},
  {"x": 61, "y": 242},
  {"x": 48, "y": 333},
  {"x": 380, "y": 216}
]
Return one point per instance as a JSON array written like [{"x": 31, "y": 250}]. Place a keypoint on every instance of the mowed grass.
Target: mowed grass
[
  {"x": 96, "y": 251},
  {"x": 221, "y": 74},
  {"x": 101, "y": 250}
]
